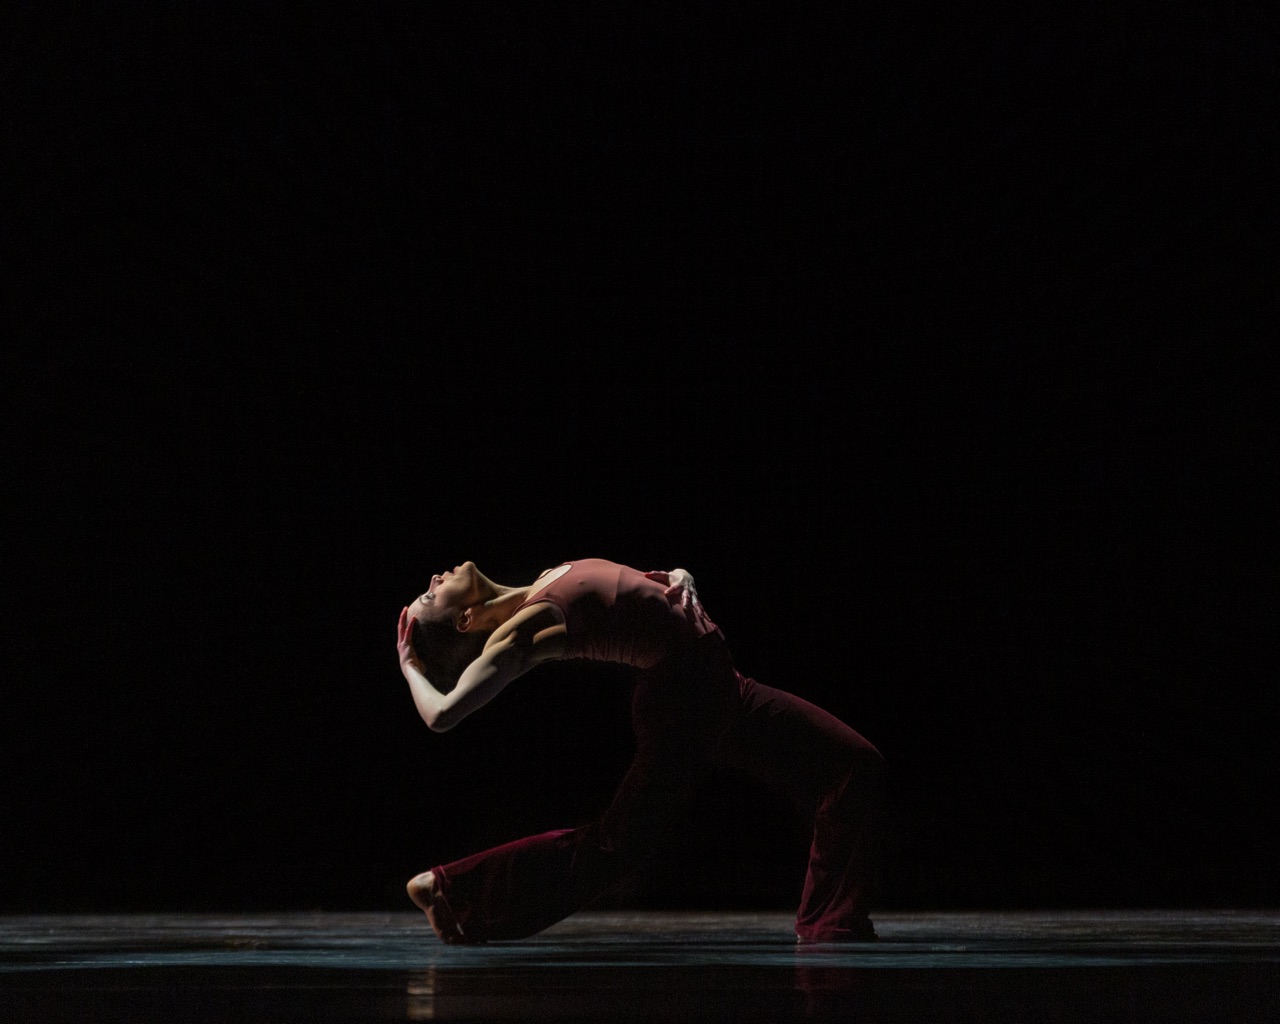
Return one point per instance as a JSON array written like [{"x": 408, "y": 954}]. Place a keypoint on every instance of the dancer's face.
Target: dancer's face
[{"x": 448, "y": 594}]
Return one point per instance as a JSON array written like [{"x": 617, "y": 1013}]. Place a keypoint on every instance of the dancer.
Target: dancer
[{"x": 467, "y": 637}]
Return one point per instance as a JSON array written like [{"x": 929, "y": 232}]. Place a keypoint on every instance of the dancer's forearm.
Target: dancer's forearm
[
  {"x": 479, "y": 683},
  {"x": 426, "y": 698}
]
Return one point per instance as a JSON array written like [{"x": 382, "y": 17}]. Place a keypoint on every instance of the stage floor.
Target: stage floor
[{"x": 981, "y": 967}]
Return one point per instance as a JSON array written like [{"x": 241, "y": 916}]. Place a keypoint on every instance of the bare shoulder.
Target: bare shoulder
[{"x": 539, "y": 628}]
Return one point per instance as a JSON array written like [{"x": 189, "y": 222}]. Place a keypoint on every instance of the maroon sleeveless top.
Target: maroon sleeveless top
[{"x": 613, "y": 613}]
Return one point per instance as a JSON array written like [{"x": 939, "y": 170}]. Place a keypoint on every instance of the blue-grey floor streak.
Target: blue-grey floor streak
[
  {"x": 403, "y": 942},
  {"x": 706, "y": 967}
]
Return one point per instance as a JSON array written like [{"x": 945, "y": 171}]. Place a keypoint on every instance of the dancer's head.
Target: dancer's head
[
  {"x": 454, "y": 596},
  {"x": 447, "y": 636}
]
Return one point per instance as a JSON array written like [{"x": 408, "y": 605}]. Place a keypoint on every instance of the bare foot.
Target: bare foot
[{"x": 425, "y": 893}]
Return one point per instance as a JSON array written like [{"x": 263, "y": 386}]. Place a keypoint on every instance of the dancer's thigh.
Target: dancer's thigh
[
  {"x": 791, "y": 743},
  {"x": 680, "y": 711}
]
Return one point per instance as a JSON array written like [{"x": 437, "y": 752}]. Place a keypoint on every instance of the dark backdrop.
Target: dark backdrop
[{"x": 926, "y": 339}]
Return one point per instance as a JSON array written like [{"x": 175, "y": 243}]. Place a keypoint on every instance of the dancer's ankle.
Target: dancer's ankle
[{"x": 424, "y": 890}]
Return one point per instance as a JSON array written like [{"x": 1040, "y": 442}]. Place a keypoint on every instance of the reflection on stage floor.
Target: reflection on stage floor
[{"x": 1097, "y": 965}]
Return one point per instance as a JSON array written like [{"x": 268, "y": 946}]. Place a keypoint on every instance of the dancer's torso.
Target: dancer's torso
[{"x": 614, "y": 613}]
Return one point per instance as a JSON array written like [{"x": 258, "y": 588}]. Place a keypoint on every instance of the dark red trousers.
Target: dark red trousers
[{"x": 691, "y": 714}]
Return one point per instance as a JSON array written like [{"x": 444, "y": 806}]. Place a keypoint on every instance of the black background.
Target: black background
[{"x": 928, "y": 340}]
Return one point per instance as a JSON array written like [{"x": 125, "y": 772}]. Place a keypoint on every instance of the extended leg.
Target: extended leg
[{"x": 520, "y": 888}]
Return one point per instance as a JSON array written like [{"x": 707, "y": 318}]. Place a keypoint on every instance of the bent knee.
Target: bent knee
[
  {"x": 867, "y": 761},
  {"x": 863, "y": 777}
]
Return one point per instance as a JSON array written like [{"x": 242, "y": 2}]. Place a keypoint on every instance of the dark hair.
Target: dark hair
[{"x": 444, "y": 652}]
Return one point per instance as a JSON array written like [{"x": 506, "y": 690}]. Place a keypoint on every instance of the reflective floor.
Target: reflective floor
[{"x": 1212, "y": 966}]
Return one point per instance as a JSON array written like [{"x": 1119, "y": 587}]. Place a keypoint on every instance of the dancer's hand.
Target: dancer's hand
[
  {"x": 679, "y": 581},
  {"x": 404, "y": 645}
]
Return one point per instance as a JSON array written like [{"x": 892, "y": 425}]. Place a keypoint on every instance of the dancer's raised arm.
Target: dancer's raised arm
[{"x": 503, "y": 659}]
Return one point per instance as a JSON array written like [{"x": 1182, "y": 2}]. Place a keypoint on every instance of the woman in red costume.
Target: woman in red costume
[{"x": 467, "y": 637}]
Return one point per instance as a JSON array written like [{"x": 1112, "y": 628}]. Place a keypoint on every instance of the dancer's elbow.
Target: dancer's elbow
[
  {"x": 437, "y": 721},
  {"x": 445, "y": 718}
]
